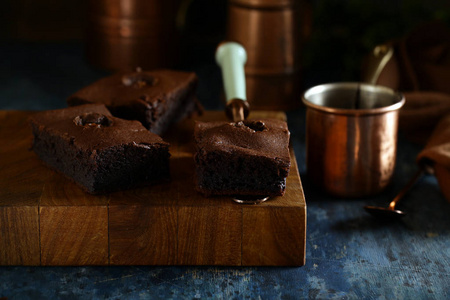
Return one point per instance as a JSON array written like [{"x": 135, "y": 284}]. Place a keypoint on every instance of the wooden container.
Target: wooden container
[
  {"x": 125, "y": 34},
  {"x": 270, "y": 31}
]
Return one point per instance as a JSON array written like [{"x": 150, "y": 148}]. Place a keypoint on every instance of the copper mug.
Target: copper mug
[{"x": 351, "y": 137}]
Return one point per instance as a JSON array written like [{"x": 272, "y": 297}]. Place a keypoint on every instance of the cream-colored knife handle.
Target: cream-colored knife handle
[{"x": 231, "y": 57}]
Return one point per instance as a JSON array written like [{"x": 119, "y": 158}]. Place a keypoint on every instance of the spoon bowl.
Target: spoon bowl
[
  {"x": 384, "y": 213},
  {"x": 250, "y": 199},
  {"x": 390, "y": 212}
]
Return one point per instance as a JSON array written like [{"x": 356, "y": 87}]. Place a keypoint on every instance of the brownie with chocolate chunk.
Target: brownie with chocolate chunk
[
  {"x": 249, "y": 158},
  {"x": 157, "y": 99},
  {"x": 99, "y": 152}
]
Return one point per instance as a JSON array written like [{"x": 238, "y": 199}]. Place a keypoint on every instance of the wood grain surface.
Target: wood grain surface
[{"x": 45, "y": 219}]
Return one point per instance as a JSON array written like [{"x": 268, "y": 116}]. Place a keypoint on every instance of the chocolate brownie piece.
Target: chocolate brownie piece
[
  {"x": 249, "y": 158},
  {"x": 99, "y": 152},
  {"x": 157, "y": 99}
]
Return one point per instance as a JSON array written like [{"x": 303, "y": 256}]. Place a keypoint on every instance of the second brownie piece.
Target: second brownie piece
[
  {"x": 157, "y": 99},
  {"x": 99, "y": 152},
  {"x": 249, "y": 158}
]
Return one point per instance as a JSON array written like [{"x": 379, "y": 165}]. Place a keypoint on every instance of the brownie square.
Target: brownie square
[
  {"x": 249, "y": 158},
  {"x": 157, "y": 99},
  {"x": 99, "y": 152}
]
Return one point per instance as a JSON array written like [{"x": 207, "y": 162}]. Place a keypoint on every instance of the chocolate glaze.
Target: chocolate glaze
[
  {"x": 148, "y": 86},
  {"x": 268, "y": 138},
  {"x": 99, "y": 152},
  {"x": 155, "y": 98},
  {"x": 68, "y": 124}
]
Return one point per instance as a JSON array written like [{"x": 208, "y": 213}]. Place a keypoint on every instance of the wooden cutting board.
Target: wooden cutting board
[{"x": 47, "y": 220}]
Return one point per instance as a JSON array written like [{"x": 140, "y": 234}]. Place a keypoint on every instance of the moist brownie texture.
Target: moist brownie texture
[
  {"x": 249, "y": 158},
  {"x": 99, "y": 152},
  {"x": 156, "y": 98}
]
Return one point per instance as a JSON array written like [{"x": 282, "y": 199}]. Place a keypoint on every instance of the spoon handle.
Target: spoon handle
[
  {"x": 419, "y": 173},
  {"x": 231, "y": 57},
  {"x": 378, "y": 60}
]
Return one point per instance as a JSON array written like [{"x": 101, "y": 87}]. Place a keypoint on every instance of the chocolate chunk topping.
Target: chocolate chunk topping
[
  {"x": 92, "y": 119},
  {"x": 256, "y": 125},
  {"x": 253, "y": 125},
  {"x": 139, "y": 80}
]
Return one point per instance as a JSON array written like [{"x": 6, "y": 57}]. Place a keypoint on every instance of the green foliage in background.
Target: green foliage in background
[{"x": 346, "y": 30}]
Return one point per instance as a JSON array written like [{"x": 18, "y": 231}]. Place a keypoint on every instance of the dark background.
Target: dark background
[
  {"x": 339, "y": 33},
  {"x": 348, "y": 254}
]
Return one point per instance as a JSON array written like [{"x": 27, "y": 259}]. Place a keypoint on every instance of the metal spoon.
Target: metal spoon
[
  {"x": 250, "y": 199},
  {"x": 231, "y": 57},
  {"x": 377, "y": 61},
  {"x": 381, "y": 55},
  {"x": 390, "y": 212}
]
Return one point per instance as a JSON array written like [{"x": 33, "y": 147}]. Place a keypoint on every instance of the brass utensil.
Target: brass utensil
[
  {"x": 379, "y": 58},
  {"x": 391, "y": 212}
]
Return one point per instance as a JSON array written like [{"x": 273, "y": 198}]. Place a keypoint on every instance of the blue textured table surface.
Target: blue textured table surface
[{"x": 349, "y": 255}]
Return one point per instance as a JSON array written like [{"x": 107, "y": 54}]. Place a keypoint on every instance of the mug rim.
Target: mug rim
[{"x": 349, "y": 111}]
